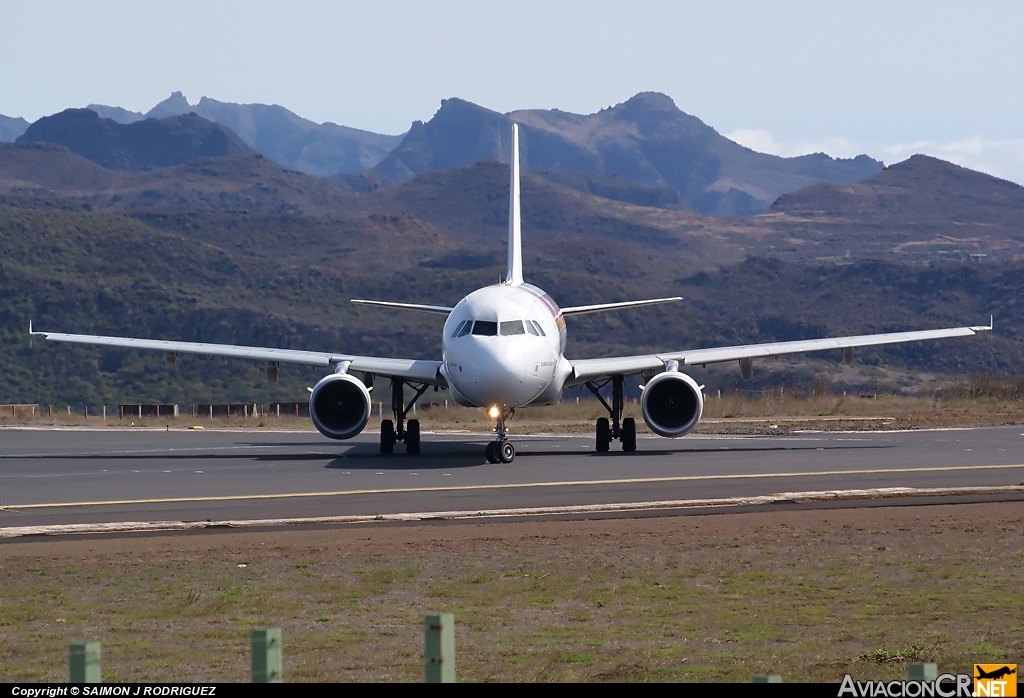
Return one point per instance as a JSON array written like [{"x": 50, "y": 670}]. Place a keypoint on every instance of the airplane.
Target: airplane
[
  {"x": 503, "y": 348},
  {"x": 994, "y": 674}
]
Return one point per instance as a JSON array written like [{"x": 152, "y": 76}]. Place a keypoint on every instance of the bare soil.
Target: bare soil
[{"x": 809, "y": 595}]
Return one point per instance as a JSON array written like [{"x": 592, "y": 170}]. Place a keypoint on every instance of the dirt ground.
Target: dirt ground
[{"x": 809, "y": 595}]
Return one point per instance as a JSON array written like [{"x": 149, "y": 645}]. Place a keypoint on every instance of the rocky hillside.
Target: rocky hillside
[
  {"x": 921, "y": 209},
  {"x": 241, "y": 183},
  {"x": 898, "y": 215}
]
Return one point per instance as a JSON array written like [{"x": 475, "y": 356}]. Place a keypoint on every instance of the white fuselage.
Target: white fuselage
[{"x": 502, "y": 347}]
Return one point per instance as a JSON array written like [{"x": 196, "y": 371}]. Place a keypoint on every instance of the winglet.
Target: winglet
[
  {"x": 514, "y": 272},
  {"x": 984, "y": 328}
]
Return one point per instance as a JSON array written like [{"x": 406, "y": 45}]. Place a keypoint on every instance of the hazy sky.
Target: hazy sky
[{"x": 886, "y": 78}]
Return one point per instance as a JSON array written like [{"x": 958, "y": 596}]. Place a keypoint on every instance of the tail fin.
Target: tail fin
[{"x": 514, "y": 273}]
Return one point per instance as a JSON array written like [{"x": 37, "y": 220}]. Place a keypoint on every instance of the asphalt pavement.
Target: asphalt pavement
[{"x": 73, "y": 476}]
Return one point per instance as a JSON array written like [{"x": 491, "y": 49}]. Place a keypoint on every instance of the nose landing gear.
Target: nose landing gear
[
  {"x": 500, "y": 452},
  {"x": 501, "y": 449}
]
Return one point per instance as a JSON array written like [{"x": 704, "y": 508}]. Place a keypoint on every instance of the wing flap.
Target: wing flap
[
  {"x": 291, "y": 356},
  {"x": 410, "y": 369},
  {"x": 590, "y": 369},
  {"x": 753, "y": 351}
]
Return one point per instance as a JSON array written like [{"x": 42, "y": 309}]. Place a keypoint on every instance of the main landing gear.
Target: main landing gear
[
  {"x": 626, "y": 433},
  {"x": 501, "y": 449},
  {"x": 407, "y": 432}
]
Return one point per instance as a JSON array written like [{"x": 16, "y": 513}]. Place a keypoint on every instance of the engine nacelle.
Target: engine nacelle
[
  {"x": 339, "y": 406},
  {"x": 672, "y": 404}
]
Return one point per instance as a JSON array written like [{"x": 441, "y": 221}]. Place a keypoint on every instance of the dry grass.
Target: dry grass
[
  {"x": 809, "y": 595},
  {"x": 964, "y": 404}
]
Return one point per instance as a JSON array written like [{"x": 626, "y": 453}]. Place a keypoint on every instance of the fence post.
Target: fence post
[
  {"x": 266, "y": 655},
  {"x": 84, "y": 662},
  {"x": 439, "y": 629},
  {"x": 922, "y": 671}
]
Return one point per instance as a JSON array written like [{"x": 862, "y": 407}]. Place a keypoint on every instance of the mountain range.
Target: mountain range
[
  {"x": 11, "y": 128},
  {"x": 283, "y": 136},
  {"x": 644, "y": 150},
  {"x": 646, "y": 139},
  {"x": 150, "y": 144},
  {"x": 189, "y": 232}
]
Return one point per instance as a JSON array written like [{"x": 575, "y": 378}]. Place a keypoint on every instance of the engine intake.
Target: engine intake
[
  {"x": 339, "y": 406},
  {"x": 672, "y": 404}
]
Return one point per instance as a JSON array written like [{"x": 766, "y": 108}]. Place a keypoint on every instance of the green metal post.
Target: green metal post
[
  {"x": 767, "y": 678},
  {"x": 266, "y": 655},
  {"x": 84, "y": 662},
  {"x": 922, "y": 671},
  {"x": 439, "y": 629}
]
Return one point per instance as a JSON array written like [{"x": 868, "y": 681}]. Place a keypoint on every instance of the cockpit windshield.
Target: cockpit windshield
[{"x": 485, "y": 328}]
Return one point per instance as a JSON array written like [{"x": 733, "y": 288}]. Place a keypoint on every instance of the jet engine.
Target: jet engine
[
  {"x": 339, "y": 406},
  {"x": 672, "y": 403}
]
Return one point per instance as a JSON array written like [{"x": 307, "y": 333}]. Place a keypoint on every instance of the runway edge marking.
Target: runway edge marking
[{"x": 833, "y": 495}]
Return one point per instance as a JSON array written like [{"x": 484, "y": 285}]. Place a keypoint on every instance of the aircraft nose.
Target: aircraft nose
[
  {"x": 496, "y": 358},
  {"x": 495, "y": 373}
]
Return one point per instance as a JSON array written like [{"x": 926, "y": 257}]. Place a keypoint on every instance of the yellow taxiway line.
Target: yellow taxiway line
[{"x": 521, "y": 485}]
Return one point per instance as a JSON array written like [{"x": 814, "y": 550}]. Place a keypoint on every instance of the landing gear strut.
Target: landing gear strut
[
  {"x": 626, "y": 432},
  {"x": 501, "y": 449},
  {"x": 407, "y": 432}
]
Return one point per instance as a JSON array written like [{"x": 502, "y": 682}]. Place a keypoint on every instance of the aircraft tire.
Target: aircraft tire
[
  {"x": 387, "y": 436},
  {"x": 492, "y": 452},
  {"x": 412, "y": 436},
  {"x": 628, "y": 434},
  {"x": 506, "y": 452},
  {"x": 604, "y": 435}
]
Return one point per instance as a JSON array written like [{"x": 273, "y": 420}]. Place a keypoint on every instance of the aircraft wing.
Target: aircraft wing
[
  {"x": 590, "y": 369},
  {"x": 411, "y": 369},
  {"x": 602, "y": 307},
  {"x": 439, "y": 309}
]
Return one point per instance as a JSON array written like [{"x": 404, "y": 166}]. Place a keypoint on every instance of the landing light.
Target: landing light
[{"x": 494, "y": 412}]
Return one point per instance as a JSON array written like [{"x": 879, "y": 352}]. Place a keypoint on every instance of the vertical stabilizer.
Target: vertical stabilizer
[{"x": 514, "y": 273}]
